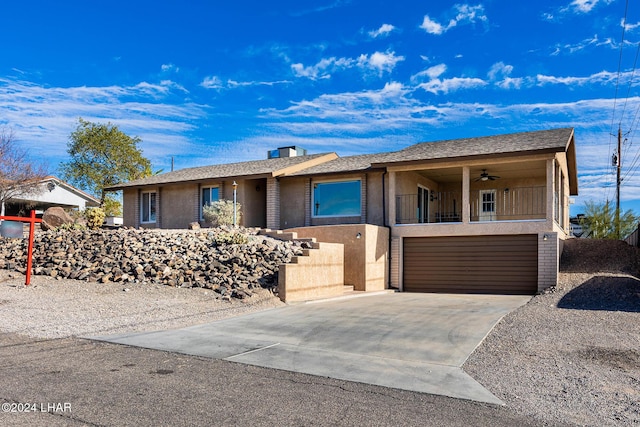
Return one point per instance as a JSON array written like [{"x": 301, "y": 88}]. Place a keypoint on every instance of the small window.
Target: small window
[
  {"x": 148, "y": 207},
  {"x": 337, "y": 198},
  {"x": 209, "y": 195},
  {"x": 488, "y": 202}
]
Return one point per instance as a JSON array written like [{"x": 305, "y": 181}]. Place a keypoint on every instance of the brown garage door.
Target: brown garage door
[{"x": 471, "y": 264}]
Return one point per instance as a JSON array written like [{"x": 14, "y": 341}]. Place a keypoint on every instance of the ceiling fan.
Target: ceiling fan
[{"x": 484, "y": 176}]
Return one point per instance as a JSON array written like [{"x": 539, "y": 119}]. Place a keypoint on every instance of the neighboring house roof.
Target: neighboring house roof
[
  {"x": 50, "y": 193},
  {"x": 258, "y": 168}
]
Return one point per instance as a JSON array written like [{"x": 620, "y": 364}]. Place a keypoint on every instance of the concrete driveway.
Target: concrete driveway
[{"x": 408, "y": 341}]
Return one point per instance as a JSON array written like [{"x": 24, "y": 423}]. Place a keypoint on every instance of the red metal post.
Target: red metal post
[
  {"x": 30, "y": 247},
  {"x": 32, "y": 221}
]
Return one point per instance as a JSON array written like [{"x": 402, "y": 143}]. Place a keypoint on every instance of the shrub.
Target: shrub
[
  {"x": 95, "y": 218},
  {"x": 220, "y": 213},
  {"x": 71, "y": 227},
  {"x": 225, "y": 238}
]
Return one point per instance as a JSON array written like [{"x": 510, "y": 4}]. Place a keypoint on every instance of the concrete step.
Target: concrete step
[{"x": 348, "y": 289}]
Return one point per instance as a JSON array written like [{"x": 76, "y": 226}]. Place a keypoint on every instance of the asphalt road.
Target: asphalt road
[{"x": 69, "y": 382}]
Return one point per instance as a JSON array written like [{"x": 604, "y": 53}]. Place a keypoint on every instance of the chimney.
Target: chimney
[{"x": 291, "y": 151}]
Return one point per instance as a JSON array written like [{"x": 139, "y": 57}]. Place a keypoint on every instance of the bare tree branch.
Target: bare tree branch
[{"x": 19, "y": 176}]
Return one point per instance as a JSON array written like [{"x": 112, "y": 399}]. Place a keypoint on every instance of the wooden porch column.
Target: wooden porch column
[{"x": 466, "y": 203}]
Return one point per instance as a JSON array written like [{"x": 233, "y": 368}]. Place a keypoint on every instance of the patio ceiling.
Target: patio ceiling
[{"x": 505, "y": 171}]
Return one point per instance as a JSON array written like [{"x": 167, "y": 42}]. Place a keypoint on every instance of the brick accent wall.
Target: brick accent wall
[
  {"x": 273, "y": 203},
  {"x": 394, "y": 259},
  {"x": 136, "y": 212},
  {"x": 363, "y": 199},
  {"x": 196, "y": 204},
  {"x": 307, "y": 202},
  {"x": 548, "y": 260},
  {"x": 158, "y": 208}
]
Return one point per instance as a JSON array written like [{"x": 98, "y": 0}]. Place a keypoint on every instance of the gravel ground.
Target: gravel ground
[
  {"x": 50, "y": 308},
  {"x": 571, "y": 355}
]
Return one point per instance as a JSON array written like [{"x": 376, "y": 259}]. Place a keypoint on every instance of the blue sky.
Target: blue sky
[{"x": 218, "y": 82}]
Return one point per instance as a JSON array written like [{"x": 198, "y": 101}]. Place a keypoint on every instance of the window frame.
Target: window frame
[
  {"x": 335, "y": 181},
  {"x": 151, "y": 205},
  {"x": 202, "y": 189}
]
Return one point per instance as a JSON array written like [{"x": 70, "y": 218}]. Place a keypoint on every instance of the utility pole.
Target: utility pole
[{"x": 618, "y": 182}]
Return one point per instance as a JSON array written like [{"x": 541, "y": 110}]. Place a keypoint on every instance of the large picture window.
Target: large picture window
[
  {"x": 336, "y": 198},
  {"x": 148, "y": 207},
  {"x": 209, "y": 195}
]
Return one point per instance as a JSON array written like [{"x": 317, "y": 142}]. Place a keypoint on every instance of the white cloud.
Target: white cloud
[
  {"x": 437, "y": 86},
  {"x": 582, "y": 45},
  {"x": 500, "y": 75},
  {"x": 431, "y": 26},
  {"x": 583, "y": 6},
  {"x": 629, "y": 27},
  {"x": 380, "y": 62},
  {"x": 44, "y": 117},
  {"x": 464, "y": 14},
  {"x": 383, "y": 31},
  {"x": 430, "y": 81},
  {"x": 603, "y": 77},
  {"x": 212, "y": 82},
  {"x": 169, "y": 67},
  {"x": 323, "y": 69}
]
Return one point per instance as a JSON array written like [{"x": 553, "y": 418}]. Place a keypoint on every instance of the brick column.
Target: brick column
[
  {"x": 158, "y": 208},
  {"x": 196, "y": 204},
  {"x": 548, "y": 260},
  {"x": 136, "y": 207},
  {"x": 363, "y": 199},
  {"x": 273, "y": 203},
  {"x": 307, "y": 203}
]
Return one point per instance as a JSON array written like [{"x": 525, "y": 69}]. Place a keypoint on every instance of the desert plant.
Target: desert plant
[
  {"x": 220, "y": 213},
  {"x": 226, "y": 238},
  {"x": 95, "y": 218},
  {"x": 71, "y": 227}
]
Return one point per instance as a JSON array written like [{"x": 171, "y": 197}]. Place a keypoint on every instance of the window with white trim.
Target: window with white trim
[
  {"x": 336, "y": 198},
  {"x": 148, "y": 207},
  {"x": 208, "y": 195}
]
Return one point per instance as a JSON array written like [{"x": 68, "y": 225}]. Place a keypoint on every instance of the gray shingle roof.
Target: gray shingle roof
[
  {"x": 555, "y": 139},
  {"x": 255, "y": 168},
  {"x": 523, "y": 142},
  {"x": 344, "y": 164}
]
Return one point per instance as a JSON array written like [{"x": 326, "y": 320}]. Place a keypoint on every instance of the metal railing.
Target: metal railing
[
  {"x": 505, "y": 204},
  {"x": 434, "y": 207}
]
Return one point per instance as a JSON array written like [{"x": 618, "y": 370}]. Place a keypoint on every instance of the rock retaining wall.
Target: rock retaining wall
[{"x": 200, "y": 258}]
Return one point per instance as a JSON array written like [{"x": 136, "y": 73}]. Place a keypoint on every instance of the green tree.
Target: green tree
[
  {"x": 102, "y": 156},
  {"x": 600, "y": 221}
]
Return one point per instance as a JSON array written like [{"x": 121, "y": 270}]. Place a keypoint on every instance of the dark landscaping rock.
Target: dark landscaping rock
[
  {"x": 181, "y": 259},
  {"x": 55, "y": 217}
]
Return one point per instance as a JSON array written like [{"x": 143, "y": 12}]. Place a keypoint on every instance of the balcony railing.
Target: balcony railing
[
  {"x": 505, "y": 204},
  {"x": 508, "y": 204},
  {"x": 428, "y": 208}
]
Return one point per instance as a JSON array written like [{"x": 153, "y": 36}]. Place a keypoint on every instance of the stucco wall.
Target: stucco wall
[
  {"x": 292, "y": 202},
  {"x": 319, "y": 273},
  {"x": 130, "y": 207},
  {"x": 177, "y": 205},
  {"x": 365, "y": 257},
  {"x": 252, "y": 196}
]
